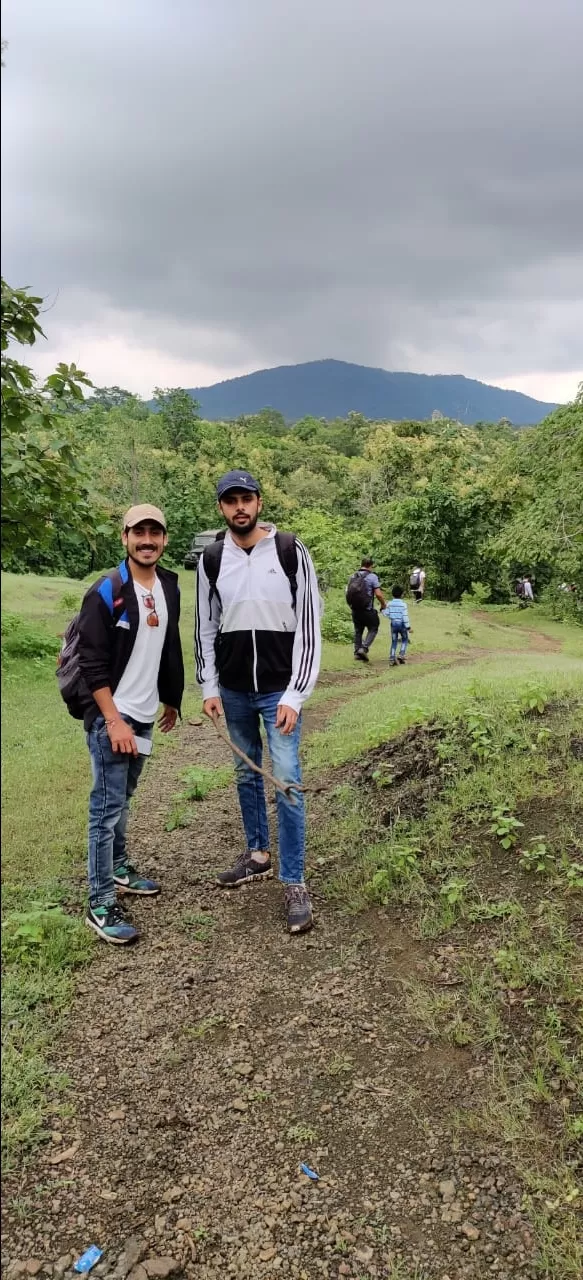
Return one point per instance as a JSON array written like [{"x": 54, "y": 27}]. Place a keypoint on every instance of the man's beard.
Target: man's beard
[{"x": 240, "y": 528}]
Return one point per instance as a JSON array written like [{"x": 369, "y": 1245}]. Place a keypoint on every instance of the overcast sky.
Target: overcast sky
[{"x": 205, "y": 187}]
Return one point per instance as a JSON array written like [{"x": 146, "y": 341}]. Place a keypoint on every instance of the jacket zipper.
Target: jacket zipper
[{"x": 253, "y": 638}]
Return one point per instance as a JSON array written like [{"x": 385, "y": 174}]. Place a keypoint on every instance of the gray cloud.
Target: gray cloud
[{"x": 249, "y": 183}]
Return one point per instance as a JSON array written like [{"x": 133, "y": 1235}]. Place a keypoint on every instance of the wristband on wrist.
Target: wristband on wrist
[{"x": 108, "y": 723}]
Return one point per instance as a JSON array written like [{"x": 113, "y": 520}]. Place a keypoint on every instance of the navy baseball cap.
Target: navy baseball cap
[{"x": 237, "y": 480}]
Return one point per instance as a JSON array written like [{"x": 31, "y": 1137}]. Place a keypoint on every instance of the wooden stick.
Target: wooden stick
[{"x": 286, "y": 787}]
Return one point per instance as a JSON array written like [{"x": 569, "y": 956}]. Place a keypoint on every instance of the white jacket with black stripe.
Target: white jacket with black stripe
[{"x": 250, "y": 638}]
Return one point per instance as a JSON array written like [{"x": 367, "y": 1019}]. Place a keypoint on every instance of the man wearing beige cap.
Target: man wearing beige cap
[{"x": 130, "y": 661}]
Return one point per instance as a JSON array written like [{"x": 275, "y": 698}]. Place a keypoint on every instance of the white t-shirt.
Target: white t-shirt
[{"x": 137, "y": 692}]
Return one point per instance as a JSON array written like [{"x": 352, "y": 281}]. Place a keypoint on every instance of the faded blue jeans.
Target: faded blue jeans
[
  {"x": 115, "y": 778},
  {"x": 243, "y": 712},
  {"x": 396, "y": 634}
]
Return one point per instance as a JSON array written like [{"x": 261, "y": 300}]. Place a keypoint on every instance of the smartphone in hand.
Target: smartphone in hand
[{"x": 144, "y": 745}]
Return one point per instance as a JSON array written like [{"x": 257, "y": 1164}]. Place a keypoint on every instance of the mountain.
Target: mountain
[{"x": 332, "y": 388}]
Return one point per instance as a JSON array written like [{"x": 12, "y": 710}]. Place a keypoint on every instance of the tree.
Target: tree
[
  {"x": 41, "y": 479},
  {"x": 180, "y": 415},
  {"x": 109, "y": 397},
  {"x": 269, "y": 422}
]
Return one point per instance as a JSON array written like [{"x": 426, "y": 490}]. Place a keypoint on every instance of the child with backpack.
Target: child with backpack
[{"x": 398, "y": 616}]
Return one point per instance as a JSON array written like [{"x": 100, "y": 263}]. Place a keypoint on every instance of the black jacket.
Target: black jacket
[{"x": 108, "y": 625}]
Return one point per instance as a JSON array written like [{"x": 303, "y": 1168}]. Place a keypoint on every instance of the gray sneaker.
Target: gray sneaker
[
  {"x": 297, "y": 907},
  {"x": 244, "y": 871}
]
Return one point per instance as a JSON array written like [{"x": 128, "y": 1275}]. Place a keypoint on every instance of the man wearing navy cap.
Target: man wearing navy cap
[{"x": 257, "y": 649}]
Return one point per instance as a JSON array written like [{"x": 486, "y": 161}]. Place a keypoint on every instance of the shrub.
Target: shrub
[
  {"x": 336, "y": 623},
  {"x": 21, "y": 640},
  {"x": 478, "y": 595},
  {"x": 562, "y": 606}
]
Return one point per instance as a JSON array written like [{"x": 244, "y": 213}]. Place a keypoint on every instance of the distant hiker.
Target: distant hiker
[
  {"x": 257, "y": 649},
  {"x": 519, "y": 591},
  {"x": 417, "y": 582},
  {"x": 398, "y": 615},
  {"x": 527, "y": 592},
  {"x": 130, "y": 659},
  {"x": 360, "y": 595}
]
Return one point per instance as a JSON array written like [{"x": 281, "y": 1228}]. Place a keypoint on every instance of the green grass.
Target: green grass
[
  {"x": 508, "y": 773},
  {"x": 45, "y": 785},
  {"x": 371, "y": 718}
]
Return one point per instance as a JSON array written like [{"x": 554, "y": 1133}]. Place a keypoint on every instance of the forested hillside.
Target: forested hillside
[
  {"x": 475, "y": 504},
  {"x": 333, "y": 388}
]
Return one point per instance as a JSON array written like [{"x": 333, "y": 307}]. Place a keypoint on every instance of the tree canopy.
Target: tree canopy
[{"x": 474, "y": 504}]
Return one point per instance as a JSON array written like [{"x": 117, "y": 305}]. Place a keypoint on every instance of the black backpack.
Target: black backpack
[
  {"x": 72, "y": 686},
  {"x": 287, "y": 553},
  {"x": 358, "y": 590}
]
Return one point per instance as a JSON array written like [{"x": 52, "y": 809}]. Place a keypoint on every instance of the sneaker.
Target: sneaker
[
  {"x": 297, "y": 907},
  {"x": 402, "y": 661},
  {"x": 129, "y": 881},
  {"x": 392, "y": 662},
  {"x": 245, "y": 871},
  {"x": 111, "y": 924},
  {"x": 363, "y": 655}
]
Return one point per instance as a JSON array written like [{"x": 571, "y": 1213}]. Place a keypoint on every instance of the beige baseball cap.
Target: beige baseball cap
[{"x": 144, "y": 511}]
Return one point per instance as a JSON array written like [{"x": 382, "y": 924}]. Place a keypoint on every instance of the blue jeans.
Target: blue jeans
[
  {"x": 115, "y": 778},
  {"x": 403, "y": 634},
  {"x": 242, "y": 714}
]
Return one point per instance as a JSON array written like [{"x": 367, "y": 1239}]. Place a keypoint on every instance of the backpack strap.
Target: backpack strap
[
  {"x": 111, "y": 585},
  {"x": 211, "y": 559},
  {"x": 287, "y": 552}
]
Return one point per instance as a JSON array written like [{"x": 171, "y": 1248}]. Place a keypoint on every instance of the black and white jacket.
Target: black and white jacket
[{"x": 250, "y": 638}]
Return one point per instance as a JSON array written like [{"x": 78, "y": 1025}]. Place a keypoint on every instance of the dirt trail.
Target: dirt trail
[
  {"x": 212, "y": 1059},
  {"x": 538, "y": 642}
]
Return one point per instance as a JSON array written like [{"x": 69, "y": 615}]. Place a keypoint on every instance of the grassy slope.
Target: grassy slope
[
  {"x": 492, "y": 867},
  {"x": 46, "y": 778}
]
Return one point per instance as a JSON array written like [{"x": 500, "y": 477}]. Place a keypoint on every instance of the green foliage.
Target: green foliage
[
  {"x": 533, "y": 699},
  {"x": 337, "y": 622},
  {"x": 41, "y": 478},
  {"x": 478, "y": 506},
  {"x": 545, "y": 530},
  {"x": 199, "y": 782},
  {"x": 179, "y": 415},
  {"x": 479, "y": 725},
  {"x": 478, "y": 595},
  {"x": 505, "y": 826},
  {"x": 397, "y": 863},
  {"x": 20, "y": 639},
  {"x": 43, "y": 936},
  {"x": 537, "y": 857}
]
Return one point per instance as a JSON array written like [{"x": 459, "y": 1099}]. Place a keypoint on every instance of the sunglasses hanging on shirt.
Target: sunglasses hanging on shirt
[{"x": 152, "y": 618}]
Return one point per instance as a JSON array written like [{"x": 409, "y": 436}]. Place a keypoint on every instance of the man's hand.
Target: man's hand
[
  {"x": 167, "y": 719},
  {"x": 286, "y": 718},
  {"x": 121, "y": 736},
  {"x": 212, "y": 707}
]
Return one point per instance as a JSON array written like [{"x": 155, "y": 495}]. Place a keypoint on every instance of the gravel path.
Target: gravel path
[{"x": 211, "y": 1060}]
